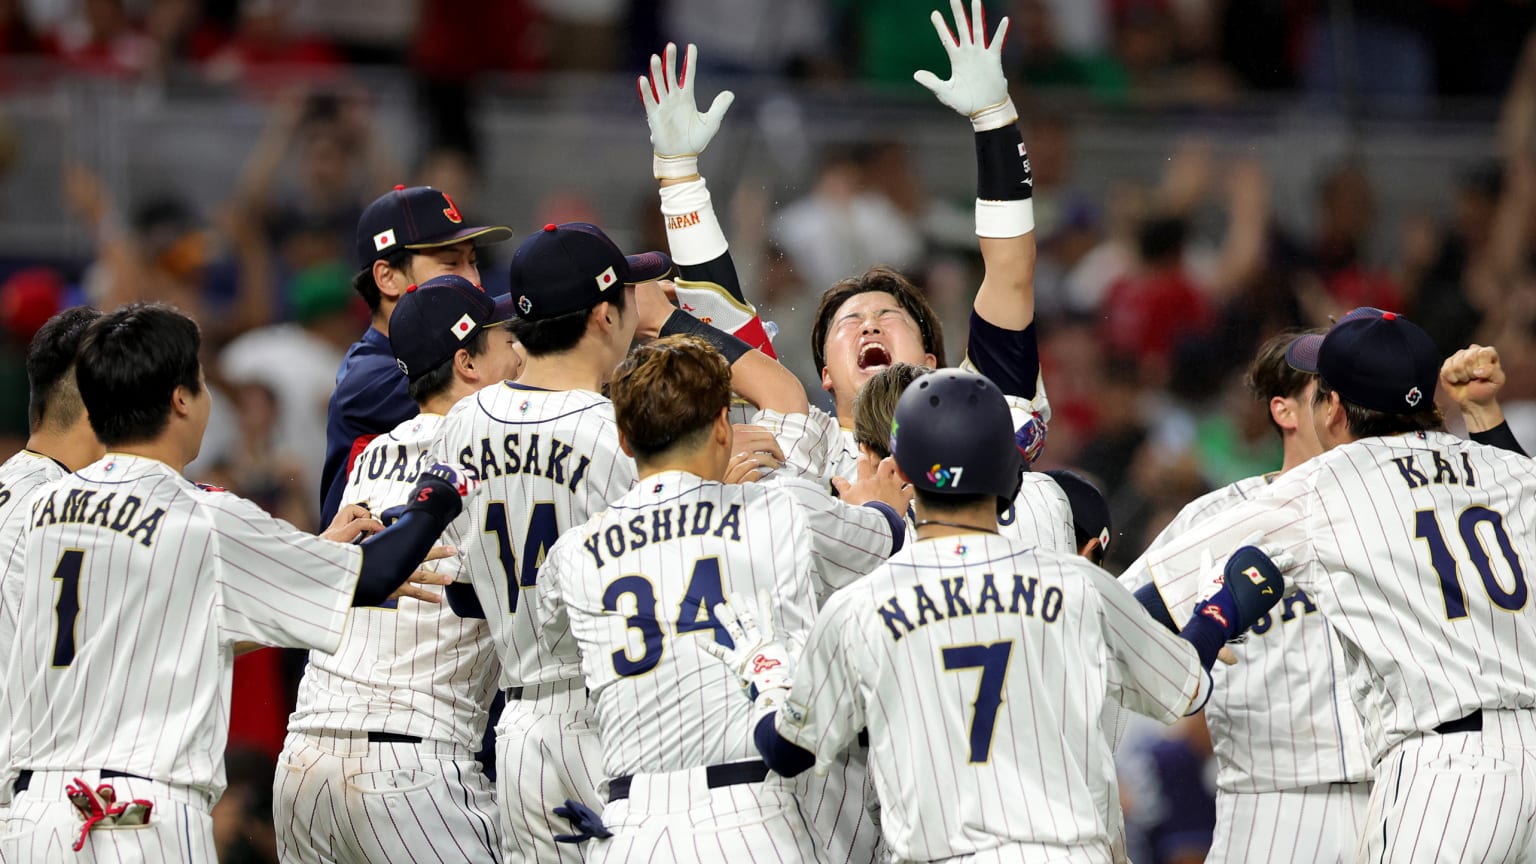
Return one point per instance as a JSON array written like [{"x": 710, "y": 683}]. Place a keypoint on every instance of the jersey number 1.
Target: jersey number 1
[
  {"x": 67, "y": 574},
  {"x": 992, "y": 660},
  {"x": 1428, "y": 529}
]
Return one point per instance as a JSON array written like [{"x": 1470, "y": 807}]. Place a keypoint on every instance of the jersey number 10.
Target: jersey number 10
[{"x": 1428, "y": 529}]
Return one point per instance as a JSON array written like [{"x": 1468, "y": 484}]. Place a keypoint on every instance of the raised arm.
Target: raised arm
[{"x": 707, "y": 285}]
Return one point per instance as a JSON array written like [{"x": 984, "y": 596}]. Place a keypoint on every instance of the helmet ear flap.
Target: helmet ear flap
[{"x": 1004, "y": 502}]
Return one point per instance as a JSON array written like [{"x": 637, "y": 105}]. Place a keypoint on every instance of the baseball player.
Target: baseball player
[
  {"x": 980, "y": 666},
  {"x": 1091, "y": 526},
  {"x": 547, "y": 451},
  {"x": 865, "y": 323},
  {"x": 1410, "y": 543},
  {"x": 139, "y": 588},
  {"x": 1281, "y": 795},
  {"x": 1040, "y": 515},
  {"x": 60, "y": 441},
  {"x": 404, "y": 238},
  {"x": 398, "y": 711},
  {"x": 635, "y": 588}
]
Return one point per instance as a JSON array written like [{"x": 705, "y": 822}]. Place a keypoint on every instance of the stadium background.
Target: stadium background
[{"x": 1206, "y": 172}]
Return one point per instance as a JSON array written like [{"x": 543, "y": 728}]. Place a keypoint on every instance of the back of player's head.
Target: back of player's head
[
  {"x": 668, "y": 393},
  {"x": 55, "y": 399},
  {"x": 1269, "y": 376},
  {"x": 130, "y": 363},
  {"x": 560, "y": 274},
  {"x": 874, "y": 279},
  {"x": 952, "y": 436},
  {"x": 1384, "y": 368},
  {"x": 1090, "y": 511},
  {"x": 436, "y": 320},
  {"x": 875, "y": 405}
]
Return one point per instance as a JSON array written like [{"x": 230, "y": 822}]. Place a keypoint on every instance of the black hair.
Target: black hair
[
  {"x": 129, "y": 366},
  {"x": 563, "y": 332},
  {"x": 363, "y": 282},
  {"x": 50, "y": 368},
  {"x": 441, "y": 377},
  {"x": 1370, "y": 423},
  {"x": 941, "y": 502}
]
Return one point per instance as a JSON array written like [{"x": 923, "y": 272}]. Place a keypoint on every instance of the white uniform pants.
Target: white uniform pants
[
  {"x": 676, "y": 817},
  {"x": 42, "y": 825},
  {"x": 547, "y": 750},
  {"x": 839, "y": 807},
  {"x": 1463, "y": 796},
  {"x": 339, "y": 798},
  {"x": 1311, "y": 825}
]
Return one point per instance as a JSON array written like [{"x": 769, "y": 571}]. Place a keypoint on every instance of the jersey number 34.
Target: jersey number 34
[{"x": 695, "y": 612}]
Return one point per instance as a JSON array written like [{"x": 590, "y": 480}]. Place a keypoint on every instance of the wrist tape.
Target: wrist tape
[
  {"x": 1003, "y": 184},
  {"x": 693, "y": 231}
]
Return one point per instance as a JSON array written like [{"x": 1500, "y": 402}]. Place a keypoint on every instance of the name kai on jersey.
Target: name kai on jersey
[
  {"x": 108, "y": 512},
  {"x": 520, "y": 460},
  {"x": 1445, "y": 472},
  {"x": 662, "y": 521},
  {"x": 1021, "y": 602}
]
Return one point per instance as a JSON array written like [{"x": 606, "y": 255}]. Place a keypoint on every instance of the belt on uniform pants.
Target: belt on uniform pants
[
  {"x": 392, "y": 738},
  {"x": 1471, "y": 723},
  {"x": 715, "y": 776},
  {"x": 515, "y": 694},
  {"x": 24, "y": 779}
]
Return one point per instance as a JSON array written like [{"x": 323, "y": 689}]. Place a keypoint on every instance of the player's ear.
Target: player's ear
[
  {"x": 722, "y": 431},
  {"x": 464, "y": 366},
  {"x": 1091, "y": 550},
  {"x": 181, "y": 401},
  {"x": 1282, "y": 410},
  {"x": 385, "y": 278},
  {"x": 826, "y": 380},
  {"x": 624, "y": 444},
  {"x": 930, "y": 361}
]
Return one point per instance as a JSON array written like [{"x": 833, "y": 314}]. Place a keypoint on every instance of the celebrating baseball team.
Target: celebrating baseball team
[{"x": 727, "y": 625}]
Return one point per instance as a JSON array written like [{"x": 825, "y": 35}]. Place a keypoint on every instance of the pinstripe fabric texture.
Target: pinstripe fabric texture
[{"x": 1310, "y": 825}]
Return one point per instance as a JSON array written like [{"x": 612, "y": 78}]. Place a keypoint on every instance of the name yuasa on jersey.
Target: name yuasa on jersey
[
  {"x": 638, "y": 597},
  {"x": 1282, "y": 717},
  {"x": 411, "y": 668},
  {"x": 981, "y": 669},
  {"x": 1421, "y": 543},
  {"x": 549, "y": 460},
  {"x": 137, "y": 584}
]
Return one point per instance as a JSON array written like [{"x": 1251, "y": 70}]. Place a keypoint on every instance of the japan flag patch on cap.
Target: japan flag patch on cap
[
  {"x": 463, "y": 326},
  {"x": 383, "y": 240},
  {"x": 606, "y": 279}
]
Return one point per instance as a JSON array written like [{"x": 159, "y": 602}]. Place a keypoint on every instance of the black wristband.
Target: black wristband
[
  {"x": 681, "y": 323},
  {"x": 437, "y": 498},
  {"x": 1499, "y": 436},
  {"x": 1002, "y": 166}
]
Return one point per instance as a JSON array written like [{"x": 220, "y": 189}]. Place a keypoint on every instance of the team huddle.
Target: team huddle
[{"x": 727, "y": 625}]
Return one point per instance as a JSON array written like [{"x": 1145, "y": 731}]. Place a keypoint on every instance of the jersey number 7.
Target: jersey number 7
[
  {"x": 543, "y": 530},
  {"x": 992, "y": 660}
]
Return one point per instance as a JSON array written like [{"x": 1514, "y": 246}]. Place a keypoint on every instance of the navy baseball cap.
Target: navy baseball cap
[
  {"x": 1090, "y": 512},
  {"x": 570, "y": 267},
  {"x": 1375, "y": 359},
  {"x": 435, "y": 319},
  {"x": 416, "y": 217}
]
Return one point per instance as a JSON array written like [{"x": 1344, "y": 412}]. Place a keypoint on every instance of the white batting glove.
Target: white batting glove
[
  {"x": 679, "y": 133},
  {"x": 762, "y": 665},
  {"x": 976, "y": 85}
]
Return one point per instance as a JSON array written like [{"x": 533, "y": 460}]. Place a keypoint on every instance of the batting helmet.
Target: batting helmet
[{"x": 953, "y": 435}]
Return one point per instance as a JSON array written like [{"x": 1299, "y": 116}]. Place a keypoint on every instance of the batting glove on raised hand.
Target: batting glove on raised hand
[
  {"x": 760, "y": 663},
  {"x": 976, "y": 86},
  {"x": 679, "y": 133}
]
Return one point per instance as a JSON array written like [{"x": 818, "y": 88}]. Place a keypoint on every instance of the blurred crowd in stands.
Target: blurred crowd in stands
[{"x": 1151, "y": 298}]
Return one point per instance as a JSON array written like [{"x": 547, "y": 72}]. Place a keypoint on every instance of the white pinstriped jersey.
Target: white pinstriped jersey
[
  {"x": 549, "y": 460},
  {"x": 138, "y": 584},
  {"x": 1040, "y": 516},
  {"x": 1421, "y": 544},
  {"x": 411, "y": 668},
  {"x": 20, "y": 476},
  {"x": 980, "y": 669},
  {"x": 1282, "y": 717},
  {"x": 635, "y": 588}
]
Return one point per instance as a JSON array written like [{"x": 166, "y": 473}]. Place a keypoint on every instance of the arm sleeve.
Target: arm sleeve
[
  {"x": 808, "y": 440},
  {"x": 1500, "y": 436},
  {"x": 1160, "y": 674},
  {"x": 1009, "y": 358},
  {"x": 784, "y": 758},
  {"x": 825, "y": 709},
  {"x": 846, "y": 540},
  {"x": 278, "y": 585}
]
